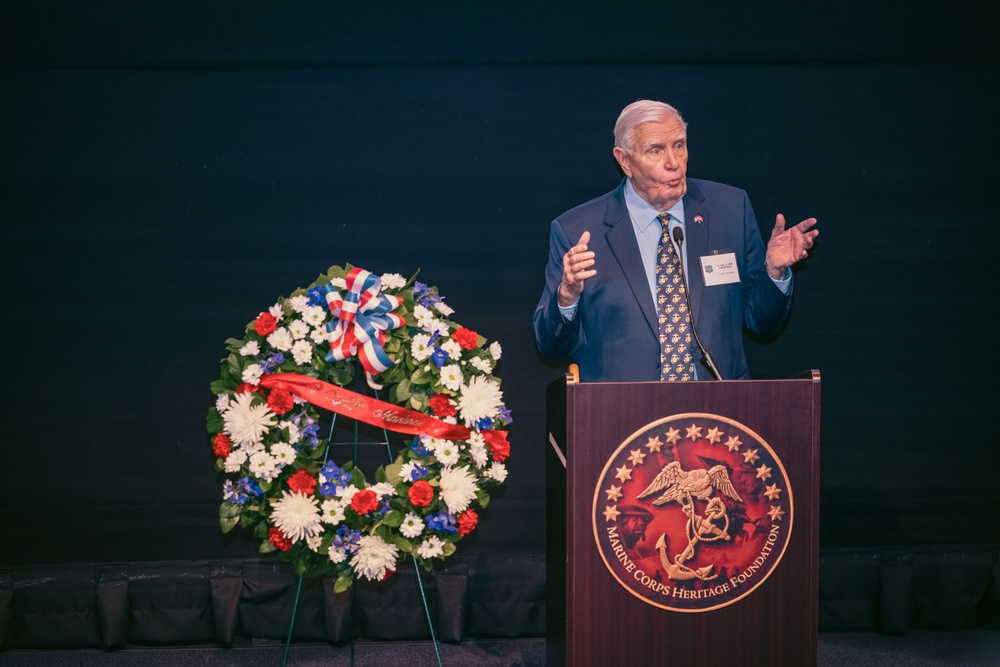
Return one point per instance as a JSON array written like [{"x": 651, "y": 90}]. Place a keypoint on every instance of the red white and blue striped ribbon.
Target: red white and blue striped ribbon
[{"x": 361, "y": 318}]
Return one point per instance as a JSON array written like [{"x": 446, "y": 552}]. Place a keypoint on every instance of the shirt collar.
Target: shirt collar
[{"x": 642, "y": 212}]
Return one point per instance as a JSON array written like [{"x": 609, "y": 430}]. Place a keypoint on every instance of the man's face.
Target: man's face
[
  {"x": 657, "y": 163},
  {"x": 634, "y": 526}
]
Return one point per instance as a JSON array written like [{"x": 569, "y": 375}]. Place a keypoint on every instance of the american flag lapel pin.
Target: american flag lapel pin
[{"x": 699, "y": 219}]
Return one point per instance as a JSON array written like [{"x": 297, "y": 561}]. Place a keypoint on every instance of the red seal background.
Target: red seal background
[{"x": 759, "y": 524}]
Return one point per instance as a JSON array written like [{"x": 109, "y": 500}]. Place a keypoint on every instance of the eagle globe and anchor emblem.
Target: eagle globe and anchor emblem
[{"x": 692, "y": 512}]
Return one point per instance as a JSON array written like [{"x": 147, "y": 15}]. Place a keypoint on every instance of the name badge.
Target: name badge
[{"x": 720, "y": 269}]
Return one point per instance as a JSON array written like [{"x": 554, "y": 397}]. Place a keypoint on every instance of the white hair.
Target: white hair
[{"x": 639, "y": 112}]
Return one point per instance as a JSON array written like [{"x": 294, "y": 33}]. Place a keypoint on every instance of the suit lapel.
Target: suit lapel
[
  {"x": 621, "y": 239},
  {"x": 696, "y": 226}
]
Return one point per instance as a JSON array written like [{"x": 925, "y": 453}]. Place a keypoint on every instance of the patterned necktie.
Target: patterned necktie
[{"x": 676, "y": 360}]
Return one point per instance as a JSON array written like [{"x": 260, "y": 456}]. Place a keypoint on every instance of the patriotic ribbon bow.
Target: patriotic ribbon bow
[{"x": 361, "y": 318}]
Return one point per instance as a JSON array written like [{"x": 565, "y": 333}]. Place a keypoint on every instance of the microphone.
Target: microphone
[{"x": 706, "y": 358}]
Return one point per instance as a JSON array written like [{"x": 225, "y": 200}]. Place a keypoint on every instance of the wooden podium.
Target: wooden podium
[{"x": 656, "y": 602}]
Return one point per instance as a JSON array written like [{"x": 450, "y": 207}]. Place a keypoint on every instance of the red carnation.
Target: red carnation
[
  {"x": 421, "y": 493},
  {"x": 364, "y": 501},
  {"x": 467, "y": 521},
  {"x": 247, "y": 388},
  {"x": 280, "y": 401},
  {"x": 501, "y": 450},
  {"x": 278, "y": 539},
  {"x": 442, "y": 406},
  {"x": 265, "y": 324},
  {"x": 467, "y": 339},
  {"x": 222, "y": 445},
  {"x": 302, "y": 482}
]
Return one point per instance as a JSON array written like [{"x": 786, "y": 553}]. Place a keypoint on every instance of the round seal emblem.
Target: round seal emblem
[{"x": 692, "y": 512}]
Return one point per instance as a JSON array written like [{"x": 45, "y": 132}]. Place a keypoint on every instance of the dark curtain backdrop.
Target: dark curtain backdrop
[{"x": 167, "y": 170}]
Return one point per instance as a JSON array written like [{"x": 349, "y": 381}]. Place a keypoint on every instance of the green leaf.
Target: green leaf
[
  {"x": 218, "y": 387},
  {"x": 482, "y": 497},
  {"x": 213, "y": 421},
  {"x": 393, "y": 469},
  {"x": 403, "y": 544},
  {"x": 344, "y": 582},
  {"x": 266, "y": 547},
  {"x": 393, "y": 519}
]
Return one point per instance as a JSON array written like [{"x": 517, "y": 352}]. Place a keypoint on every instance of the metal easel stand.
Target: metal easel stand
[{"x": 416, "y": 565}]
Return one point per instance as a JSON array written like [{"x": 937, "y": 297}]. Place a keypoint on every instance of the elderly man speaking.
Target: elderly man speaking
[{"x": 629, "y": 270}]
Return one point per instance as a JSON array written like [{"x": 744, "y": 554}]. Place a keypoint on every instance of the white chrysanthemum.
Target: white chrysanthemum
[
  {"x": 280, "y": 339},
  {"x": 302, "y": 352},
  {"x": 497, "y": 471},
  {"x": 421, "y": 313},
  {"x": 283, "y": 454},
  {"x": 421, "y": 347},
  {"x": 314, "y": 541},
  {"x": 435, "y": 326},
  {"x": 458, "y": 488},
  {"x": 346, "y": 493},
  {"x": 252, "y": 448},
  {"x": 250, "y": 349},
  {"x": 339, "y": 283},
  {"x": 337, "y": 555},
  {"x": 235, "y": 460},
  {"x": 277, "y": 311},
  {"x": 374, "y": 558},
  {"x": 263, "y": 466},
  {"x": 392, "y": 281},
  {"x": 294, "y": 433},
  {"x": 222, "y": 403},
  {"x": 332, "y": 511},
  {"x": 319, "y": 335},
  {"x": 451, "y": 377},
  {"x": 246, "y": 423},
  {"x": 452, "y": 347},
  {"x": 412, "y": 526},
  {"x": 478, "y": 453},
  {"x": 496, "y": 350},
  {"x": 299, "y": 303},
  {"x": 480, "y": 398},
  {"x": 444, "y": 308},
  {"x": 314, "y": 316},
  {"x": 298, "y": 329},
  {"x": 447, "y": 452},
  {"x": 297, "y": 515},
  {"x": 253, "y": 373},
  {"x": 383, "y": 489},
  {"x": 481, "y": 365},
  {"x": 430, "y": 547}
]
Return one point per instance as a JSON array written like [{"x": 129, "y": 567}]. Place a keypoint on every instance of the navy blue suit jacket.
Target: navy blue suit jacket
[{"x": 614, "y": 334}]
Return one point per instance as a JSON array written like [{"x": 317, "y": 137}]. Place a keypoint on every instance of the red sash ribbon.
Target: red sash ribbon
[{"x": 371, "y": 410}]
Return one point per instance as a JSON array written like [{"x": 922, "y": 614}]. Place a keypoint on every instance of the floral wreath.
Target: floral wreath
[{"x": 299, "y": 355}]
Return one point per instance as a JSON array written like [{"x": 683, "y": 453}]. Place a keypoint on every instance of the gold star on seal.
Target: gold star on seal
[
  {"x": 654, "y": 444},
  {"x": 636, "y": 457},
  {"x": 733, "y": 443},
  {"x": 776, "y": 513},
  {"x": 750, "y": 456},
  {"x": 763, "y": 472},
  {"x": 611, "y": 513},
  {"x": 623, "y": 473},
  {"x": 772, "y": 492},
  {"x": 693, "y": 432},
  {"x": 614, "y": 493},
  {"x": 714, "y": 435},
  {"x": 673, "y": 435}
]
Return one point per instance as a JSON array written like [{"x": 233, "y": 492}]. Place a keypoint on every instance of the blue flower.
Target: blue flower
[
  {"x": 505, "y": 414},
  {"x": 232, "y": 493},
  {"x": 336, "y": 478},
  {"x": 317, "y": 297},
  {"x": 484, "y": 423},
  {"x": 442, "y": 522},
  {"x": 272, "y": 362},
  {"x": 347, "y": 539},
  {"x": 439, "y": 356},
  {"x": 418, "y": 472},
  {"x": 249, "y": 486},
  {"x": 418, "y": 447}
]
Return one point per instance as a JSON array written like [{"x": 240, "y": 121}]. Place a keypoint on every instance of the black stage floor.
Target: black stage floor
[{"x": 973, "y": 648}]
